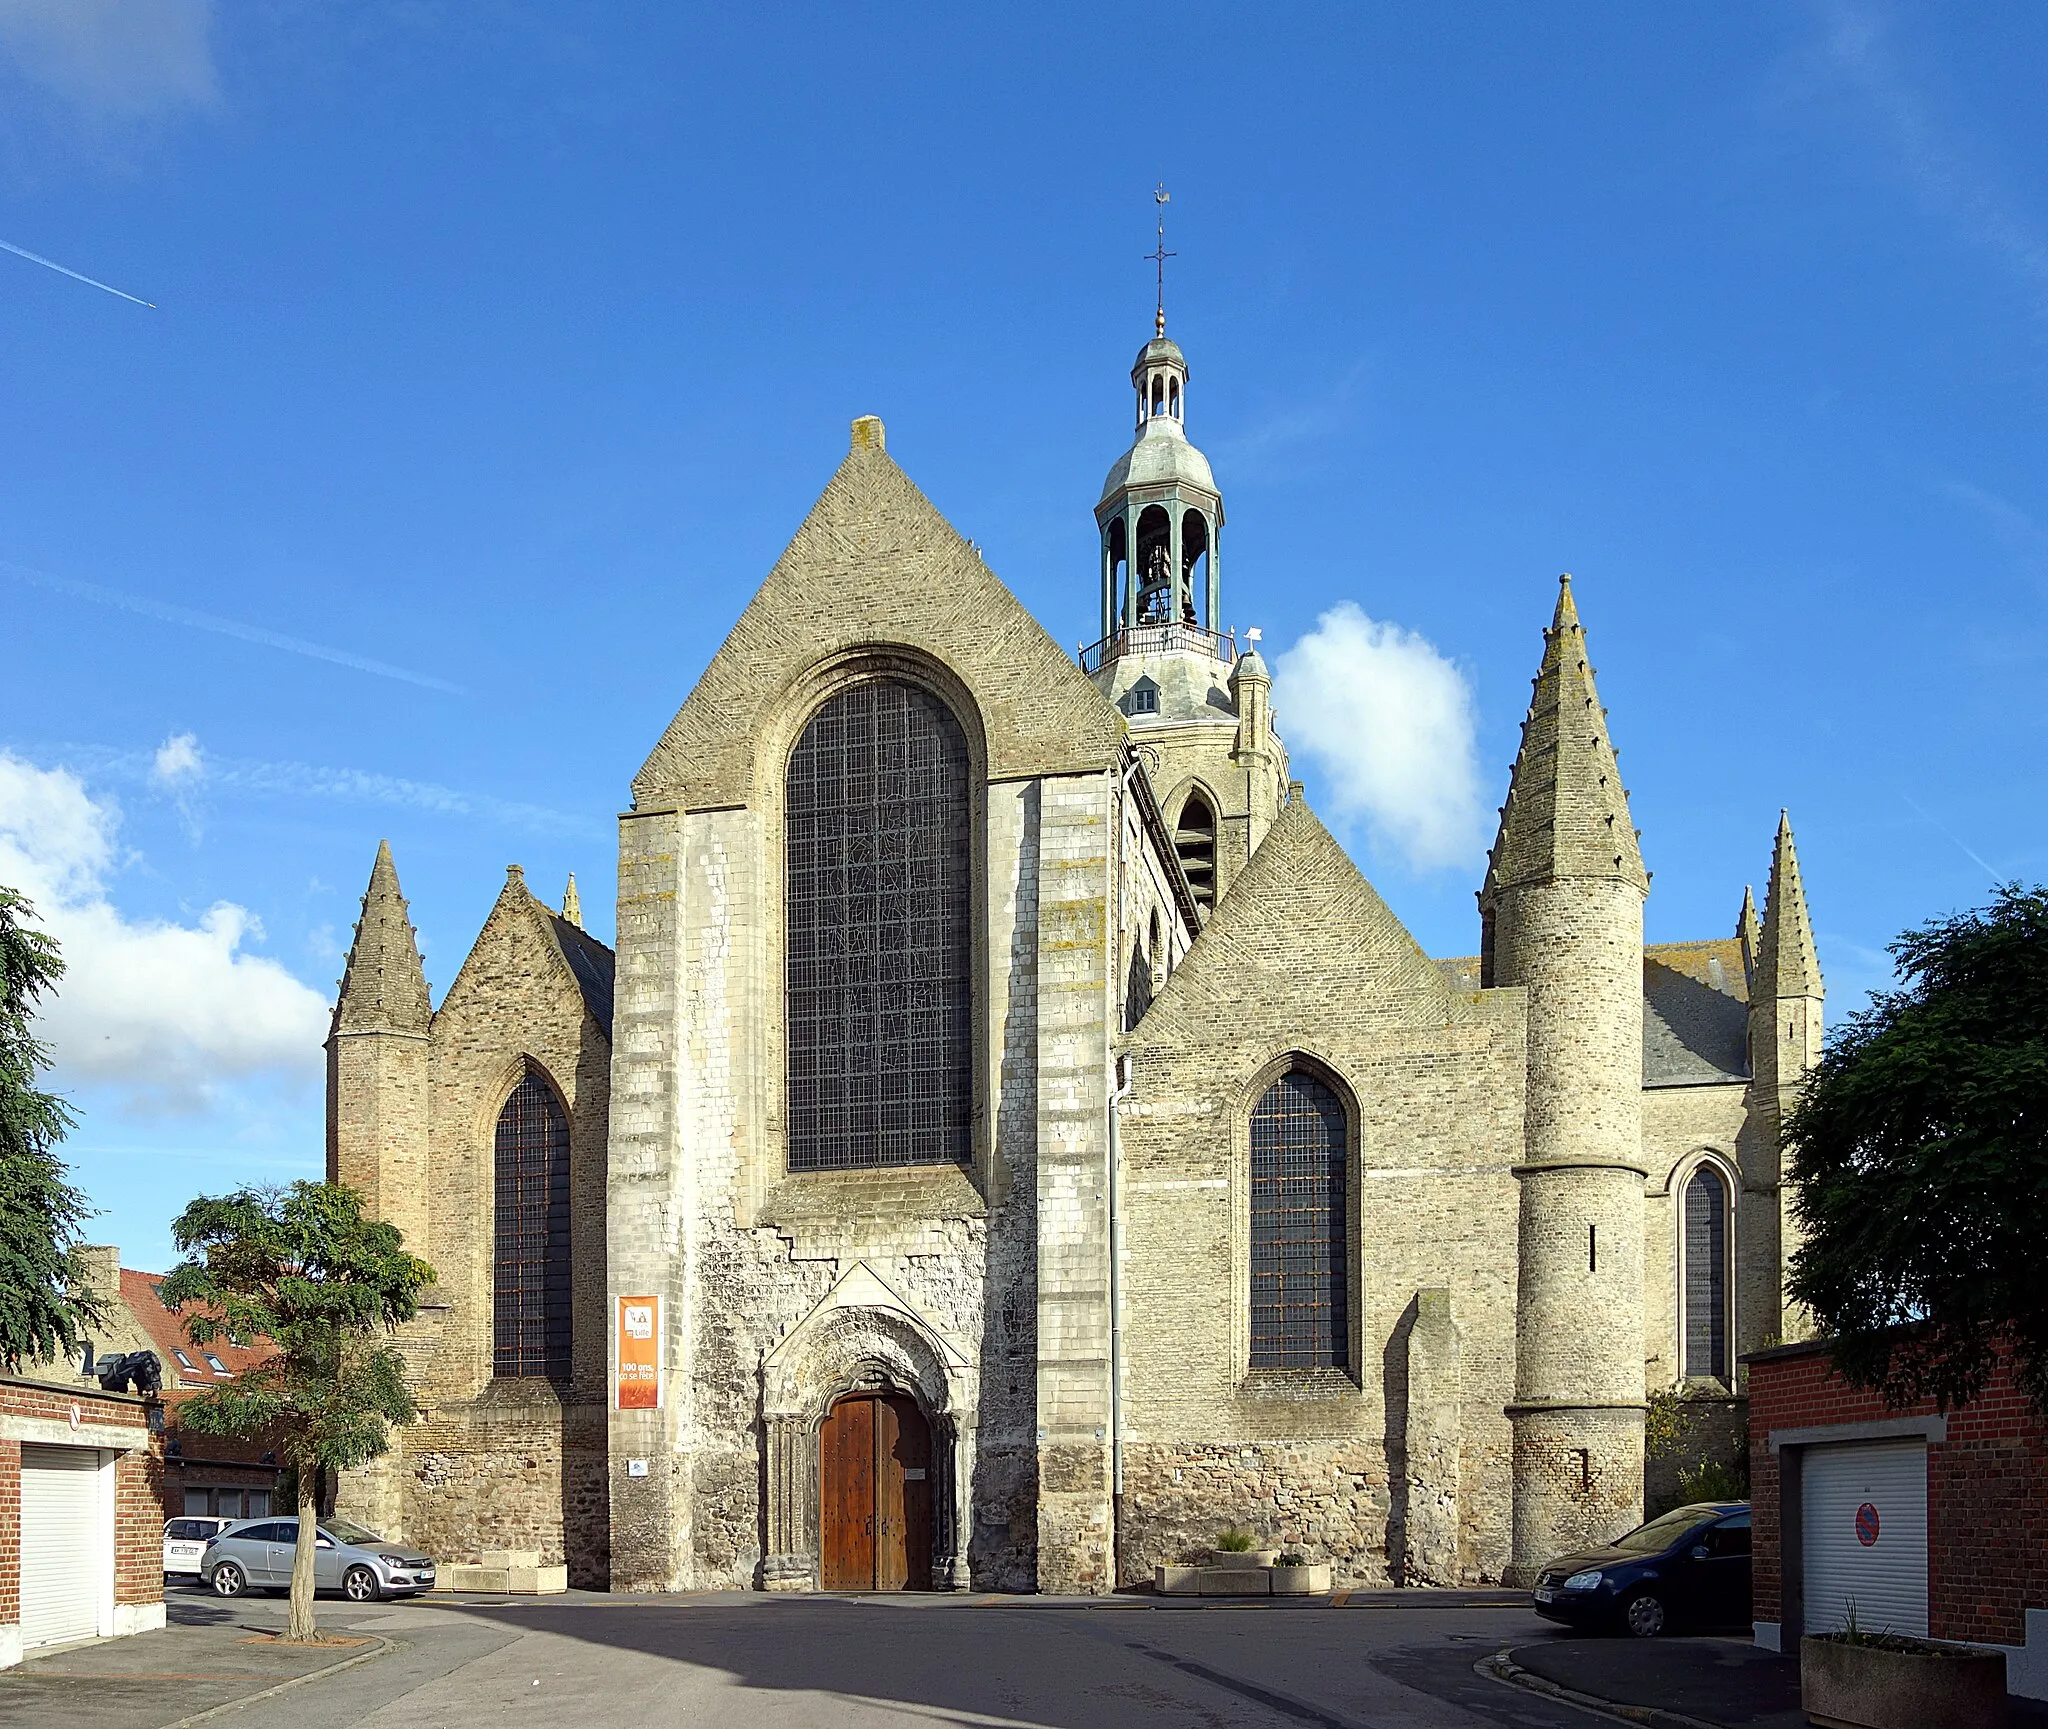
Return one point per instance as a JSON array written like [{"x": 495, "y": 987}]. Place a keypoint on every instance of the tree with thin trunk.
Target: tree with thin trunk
[
  {"x": 302, "y": 1268},
  {"x": 1920, "y": 1165},
  {"x": 45, "y": 1303}
]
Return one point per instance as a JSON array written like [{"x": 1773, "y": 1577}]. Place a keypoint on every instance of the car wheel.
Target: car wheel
[
  {"x": 229, "y": 1580},
  {"x": 1643, "y": 1615},
  {"x": 359, "y": 1585}
]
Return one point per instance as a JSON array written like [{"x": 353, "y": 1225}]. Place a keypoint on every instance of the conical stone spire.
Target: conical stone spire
[
  {"x": 1567, "y": 813},
  {"x": 384, "y": 989},
  {"x": 1787, "y": 964},
  {"x": 572, "y": 903}
]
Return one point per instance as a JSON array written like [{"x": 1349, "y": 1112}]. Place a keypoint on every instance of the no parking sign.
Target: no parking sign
[{"x": 1867, "y": 1524}]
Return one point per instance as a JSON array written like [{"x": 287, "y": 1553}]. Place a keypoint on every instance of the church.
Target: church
[{"x": 1012, "y": 1141}]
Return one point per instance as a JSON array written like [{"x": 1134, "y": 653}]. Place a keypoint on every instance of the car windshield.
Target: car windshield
[
  {"x": 342, "y": 1531},
  {"x": 1659, "y": 1534}
]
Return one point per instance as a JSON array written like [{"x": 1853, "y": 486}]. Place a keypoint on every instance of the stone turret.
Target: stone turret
[
  {"x": 1561, "y": 916},
  {"x": 1749, "y": 934},
  {"x": 1260, "y": 756},
  {"x": 377, "y": 1063},
  {"x": 1785, "y": 1027}
]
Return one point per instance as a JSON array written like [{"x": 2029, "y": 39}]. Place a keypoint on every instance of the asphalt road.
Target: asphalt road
[{"x": 794, "y": 1662}]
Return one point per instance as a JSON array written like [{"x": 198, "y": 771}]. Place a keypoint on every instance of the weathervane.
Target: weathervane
[{"x": 1160, "y": 255}]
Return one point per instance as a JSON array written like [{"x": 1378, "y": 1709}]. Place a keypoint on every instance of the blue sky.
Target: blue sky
[{"x": 497, "y": 352}]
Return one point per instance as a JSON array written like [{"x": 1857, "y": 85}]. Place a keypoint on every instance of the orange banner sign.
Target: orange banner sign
[{"x": 639, "y": 1354}]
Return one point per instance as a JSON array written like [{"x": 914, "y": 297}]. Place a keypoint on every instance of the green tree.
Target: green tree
[
  {"x": 1920, "y": 1164},
  {"x": 302, "y": 1267},
  {"x": 44, "y": 1303}
]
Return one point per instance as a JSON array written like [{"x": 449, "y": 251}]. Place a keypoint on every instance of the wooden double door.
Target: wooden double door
[{"x": 875, "y": 1495}]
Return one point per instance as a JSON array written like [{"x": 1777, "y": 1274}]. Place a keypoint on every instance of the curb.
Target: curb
[
  {"x": 1502, "y": 1667},
  {"x": 383, "y": 1645}
]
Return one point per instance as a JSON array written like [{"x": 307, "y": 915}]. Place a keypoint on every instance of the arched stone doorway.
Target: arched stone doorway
[
  {"x": 875, "y": 1495},
  {"x": 865, "y": 1355}
]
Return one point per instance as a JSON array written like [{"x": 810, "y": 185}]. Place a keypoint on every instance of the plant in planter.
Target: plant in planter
[
  {"x": 1293, "y": 1558},
  {"x": 1859, "y": 1680},
  {"x": 1233, "y": 1548},
  {"x": 1295, "y": 1575}
]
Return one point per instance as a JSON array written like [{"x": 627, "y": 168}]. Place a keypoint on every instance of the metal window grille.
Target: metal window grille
[
  {"x": 1706, "y": 1274},
  {"x": 1299, "y": 1318},
  {"x": 531, "y": 1314},
  {"x": 878, "y": 992}
]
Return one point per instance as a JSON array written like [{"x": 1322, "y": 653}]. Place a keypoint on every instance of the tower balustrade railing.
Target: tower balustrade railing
[{"x": 1144, "y": 639}]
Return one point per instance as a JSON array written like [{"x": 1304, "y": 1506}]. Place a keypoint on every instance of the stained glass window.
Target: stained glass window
[
  {"x": 879, "y": 933},
  {"x": 1299, "y": 1318},
  {"x": 531, "y": 1314},
  {"x": 1706, "y": 1274}
]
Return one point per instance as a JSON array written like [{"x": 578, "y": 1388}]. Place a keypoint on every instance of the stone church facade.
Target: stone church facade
[{"x": 1021, "y": 1143}]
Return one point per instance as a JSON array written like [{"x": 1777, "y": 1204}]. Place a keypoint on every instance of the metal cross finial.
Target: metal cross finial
[{"x": 1160, "y": 255}]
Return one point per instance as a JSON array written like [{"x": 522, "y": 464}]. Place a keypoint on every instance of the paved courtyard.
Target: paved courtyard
[{"x": 1400, "y": 1661}]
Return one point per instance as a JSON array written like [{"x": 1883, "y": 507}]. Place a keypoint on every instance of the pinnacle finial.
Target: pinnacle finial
[
  {"x": 1748, "y": 932},
  {"x": 1567, "y": 615},
  {"x": 572, "y": 905}
]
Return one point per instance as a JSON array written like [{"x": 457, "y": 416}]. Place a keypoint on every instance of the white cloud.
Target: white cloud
[
  {"x": 178, "y": 761},
  {"x": 121, "y": 59},
  {"x": 179, "y": 769},
  {"x": 163, "y": 1014},
  {"x": 1391, "y": 723}
]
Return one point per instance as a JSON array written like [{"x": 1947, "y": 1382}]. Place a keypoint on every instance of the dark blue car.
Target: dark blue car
[{"x": 1689, "y": 1568}]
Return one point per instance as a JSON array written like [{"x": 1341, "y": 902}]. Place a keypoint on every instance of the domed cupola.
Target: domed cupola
[{"x": 1161, "y": 516}]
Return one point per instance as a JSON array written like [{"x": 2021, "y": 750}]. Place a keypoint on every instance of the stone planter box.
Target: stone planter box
[
  {"x": 1868, "y": 1687},
  {"x": 1310, "y": 1581},
  {"x": 1212, "y": 1581},
  {"x": 516, "y": 1572},
  {"x": 1243, "y": 1557}
]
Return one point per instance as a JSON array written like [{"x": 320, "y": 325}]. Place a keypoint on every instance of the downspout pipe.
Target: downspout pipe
[{"x": 1121, "y": 1092}]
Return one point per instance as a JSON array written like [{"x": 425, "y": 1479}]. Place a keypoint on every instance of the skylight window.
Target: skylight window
[
  {"x": 213, "y": 1362},
  {"x": 184, "y": 1362}
]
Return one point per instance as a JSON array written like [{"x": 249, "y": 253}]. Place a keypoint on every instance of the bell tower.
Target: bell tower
[{"x": 1164, "y": 657}]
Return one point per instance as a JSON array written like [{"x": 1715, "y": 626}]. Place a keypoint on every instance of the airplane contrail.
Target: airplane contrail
[
  {"x": 185, "y": 615},
  {"x": 89, "y": 281}
]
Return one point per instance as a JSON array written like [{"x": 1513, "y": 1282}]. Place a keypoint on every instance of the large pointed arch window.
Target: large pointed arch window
[
  {"x": 530, "y": 1308},
  {"x": 1300, "y": 1307},
  {"x": 1705, "y": 1260},
  {"x": 879, "y": 934}
]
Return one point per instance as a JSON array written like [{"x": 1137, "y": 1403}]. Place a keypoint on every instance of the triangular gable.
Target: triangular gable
[
  {"x": 581, "y": 963},
  {"x": 1302, "y": 917},
  {"x": 876, "y": 564}
]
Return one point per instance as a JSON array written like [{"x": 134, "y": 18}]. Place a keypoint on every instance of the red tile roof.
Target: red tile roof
[{"x": 166, "y": 1330}]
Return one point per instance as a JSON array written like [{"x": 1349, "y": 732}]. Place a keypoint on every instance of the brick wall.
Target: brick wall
[
  {"x": 1987, "y": 1492},
  {"x": 138, "y": 1484}
]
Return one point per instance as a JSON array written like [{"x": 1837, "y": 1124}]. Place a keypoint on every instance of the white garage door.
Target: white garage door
[
  {"x": 63, "y": 1550},
  {"x": 1863, "y": 1529}
]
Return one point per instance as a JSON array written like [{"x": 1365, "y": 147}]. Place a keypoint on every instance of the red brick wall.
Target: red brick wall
[
  {"x": 10, "y": 1533},
  {"x": 138, "y": 1490},
  {"x": 1987, "y": 1493}
]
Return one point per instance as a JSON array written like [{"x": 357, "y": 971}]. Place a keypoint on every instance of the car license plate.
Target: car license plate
[{"x": 1546, "y": 1595}]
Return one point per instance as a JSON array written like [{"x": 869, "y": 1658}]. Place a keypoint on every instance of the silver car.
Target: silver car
[{"x": 256, "y": 1554}]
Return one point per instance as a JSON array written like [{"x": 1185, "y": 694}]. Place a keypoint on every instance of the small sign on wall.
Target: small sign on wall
[{"x": 637, "y": 1354}]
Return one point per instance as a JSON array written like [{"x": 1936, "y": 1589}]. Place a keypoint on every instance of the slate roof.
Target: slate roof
[
  {"x": 1695, "y": 1011},
  {"x": 590, "y": 962}
]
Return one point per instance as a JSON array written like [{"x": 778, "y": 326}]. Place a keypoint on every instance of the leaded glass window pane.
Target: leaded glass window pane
[
  {"x": 879, "y": 996},
  {"x": 531, "y": 1314},
  {"x": 1299, "y": 1318},
  {"x": 1706, "y": 1274}
]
